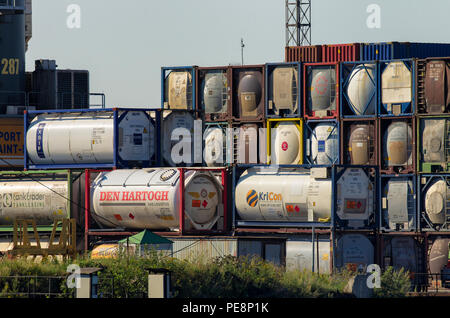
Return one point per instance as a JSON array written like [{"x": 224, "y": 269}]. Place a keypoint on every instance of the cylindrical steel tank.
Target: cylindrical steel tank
[
  {"x": 43, "y": 201},
  {"x": 354, "y": 251},
  {"x": 322, "y": 88},
  {"x": 361, "y": 90},
  {"x": 250, "y": 92},
  {"x": 436, "y": 202},
  {"x": 396, "y": 88},
  {"x": 361, "y": 144},
  {"x": 215, "y": 92},
  {"x": 437, "y": 84},
  {"x": 325, "y": 144},
  {"x": 12, "y": 57},
  {"x": 434, "y": 136},
  {"x": 282, "y": 195},
  {"x": 283, "y": 90},
  {"x": 71, "y": 138},
  {"x": 438, "y": 255},
  {"x": 150, "y": 198},
  {"x": 178, "y": 90},
  {"x": 397, "y": 144},
  {"x": 302, "y": 253},
  {"x": 215, "y": 140},
  {"x": 286, "y": 143},
  {"x": 178, "y": 133},
  {"x": 403, "y": 252}
]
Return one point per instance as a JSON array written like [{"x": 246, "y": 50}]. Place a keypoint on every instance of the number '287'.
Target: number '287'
[{"x": 10, "y": 66}]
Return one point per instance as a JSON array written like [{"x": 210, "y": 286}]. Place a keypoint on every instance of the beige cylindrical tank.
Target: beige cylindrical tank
[
  {"x": 436, "y": 199},
  {"x": 361, "y": 88},
  {"x": 324, "y": 144},
  {"x": 282, "y": 195},
  {"x": 43, "y": 201},
  {"x": 149, "y": 198},
  {"x": 179, "y": 90},
  {"x": 286, "y": 143},
  {"x": 397, "y": 146}
]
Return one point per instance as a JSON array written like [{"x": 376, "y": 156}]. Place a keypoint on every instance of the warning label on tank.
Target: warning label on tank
[{"x": 97, "y": 135}]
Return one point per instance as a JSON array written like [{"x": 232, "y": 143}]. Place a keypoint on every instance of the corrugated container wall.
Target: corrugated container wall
[
  {"x": 310, "y": 54},
  {"x": 401, "y": 50},
  {"x": 341, "y": 52},
  {"x": 196, "y": 249}
]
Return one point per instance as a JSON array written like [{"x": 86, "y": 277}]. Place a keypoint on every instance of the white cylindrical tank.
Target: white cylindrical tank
[
  {"x": 215, "y": 92},
  {"x": 397, "y": 146},
  {"x": 302, "y": 253},
  {"x": 215, "y": 140},
  {"x": 433, "y": 140},
  {"x": 179, "y": 90},
  {"x": 322, "y": 88},
  {"x": 436, "y": 199},
  {"x": 360, "y": 145},
  {"x": 324, "y": 144},
  {"x": 398, "y": 203},
  {"x": 149, "y": 198},
  {"x": 355, "y": 197},
  {"x": 361, "y": 89},
  {"x": 282, "y": 195},
  {"x": 354, "y": 250},
  {"x": 85, "y": 138},
  {"x": 286, "y": 143},
  {"x": 43, "y": 201},
  {"x": 178, "y": 134},
  {"x": 439, "y": 255}
]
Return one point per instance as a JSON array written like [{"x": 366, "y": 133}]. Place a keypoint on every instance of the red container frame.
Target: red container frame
[
  {"x": 341, "y": 52},
  {"x": 225, "y": 176},
  {"x": 345, "y": 129},
  {"x": 409, "y": 169},
  {"x": 310, "y": 114},
  {"x": 306, "y": 54}
]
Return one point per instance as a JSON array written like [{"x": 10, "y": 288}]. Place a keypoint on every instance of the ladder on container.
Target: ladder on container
[
  {"x": 447, "y": 142},
  {"x": 446, "y": 224},
  {"x": 421, "y": 103},
  {"x": 371, "y": 146}
]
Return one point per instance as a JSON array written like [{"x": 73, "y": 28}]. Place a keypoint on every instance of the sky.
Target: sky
[{"x": 124, "y": 43}]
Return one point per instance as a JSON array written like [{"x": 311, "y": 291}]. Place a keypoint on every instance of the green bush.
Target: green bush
[{"x": 394, "y": 284}]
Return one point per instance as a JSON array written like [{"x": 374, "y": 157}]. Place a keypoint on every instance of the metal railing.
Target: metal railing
[
  {"x": 35, "y": 287},
  {"x": 430, "y": 283}
]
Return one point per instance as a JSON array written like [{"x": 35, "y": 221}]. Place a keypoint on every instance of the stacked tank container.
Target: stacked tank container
[
  {"x": 178, "y": 86},
  {"x": 285, "y": 141}
]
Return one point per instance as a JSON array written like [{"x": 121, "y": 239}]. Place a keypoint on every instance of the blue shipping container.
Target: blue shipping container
[{"x": 402, "y": 50}]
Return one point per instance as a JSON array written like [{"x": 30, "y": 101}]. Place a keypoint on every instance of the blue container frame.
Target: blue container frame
[
  {"x": 382, "y": 111},
  {"x": 381, "y": 184},
  {"x": 237, "y": 172},
  {"x": 308, "y": 132},
  {"x": 269, "y": 67},
  {"x": 223, "y": 125},
  {"x": 371, "y": 223},
  {"x": 117, "y": 162},
  {"x": 402, "y": 50},
  {"x": 345, "y": 76},
  {"x": 168, "y": 69},
  {"x": 425, "y": 224}
]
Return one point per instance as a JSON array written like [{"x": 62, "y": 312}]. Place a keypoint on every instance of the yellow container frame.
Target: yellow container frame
[{"x": 298, "y": 124}]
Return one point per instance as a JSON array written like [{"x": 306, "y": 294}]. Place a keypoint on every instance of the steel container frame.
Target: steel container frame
[
  {"x": 228, "y": 147},
  {"x": 310, "y": 114},
  {"x": 369, "y": 234},
  {"x": 117, "y": 162},
  {"x": 271, "y": 122},
  {"x": 407, "y": 109},
  {"x": 261, "y": 146},
  {"x": 309, "y": 54},
  {"x": 308, "y": 132},
  {"x": 268, "y": 70},
  {"x": 346, "y": 124},
  {"x": 165, "y": 71},
  {"x": 383, "y": 180},
  {"x": 346, "y": 70}
]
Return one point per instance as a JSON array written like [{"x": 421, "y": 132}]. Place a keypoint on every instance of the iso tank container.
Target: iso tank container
[
  {"x": 249, "y": 142},
  {"x": 214, "y": 93},
  {"x": 248, "y": 92},
  {"x": 432, "y": 86},
  {"x": 354, "y": 252},
  {"x": 433, "y": 144},
  {"x": 285, "y": 141},
  {"x": 43, "y": 196},
  {"x": 283, "y": 90},
  {"x": 178, "y": 86},
  {"x": 340, "y": 52},
  {"x": 402, "y": 50},
  {"x": 307, "y": 54},
  {"x": 11, "y": 142},
  {"x": 321, "y": 142},
  {"x": 359, "y": 141},
  {"x": 217, "y": 144},
  {"x": 166, "y": 199},
  {"x": 398, "y": 204},
  {"x": 438, "y": 259},
  {"x": 12, "y": 55},
  {"x": 89, "y": 138},
  {"x": 359, "y": 89},
  {"x": 397, "y": 145},
  {"x": 321, "y": 90},
  {"x": 355, "y": 203},
  {"x": 397, "y": 87},
  {"x": 282, "y": 196},
  {"x": 434, "y": 202}
]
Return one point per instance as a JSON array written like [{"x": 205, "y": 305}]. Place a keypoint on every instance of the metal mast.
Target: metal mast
[{"x": 298, "y": 22}]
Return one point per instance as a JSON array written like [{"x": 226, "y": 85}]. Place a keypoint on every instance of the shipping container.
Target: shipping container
[
  {"x": 354, "y": 251},
  {"x": 249, "y": 142},
  {"x": 283, "y": 90},
  {"x": 434, "y": 202},
  {"x": 171, "y": 200},
  {"x": 340, "y": 52},
  {"x": 307, "y": 54},
  {"x": 11, "y": 142},
  {"x": 433, "y": 144},
  {"x": 270, "y": 249},
  {"x": 359, "y": 89},
  {"x": 218, "y": 144},
  {"x": 438, "y": 260},
  {"x": 321, "y": 142},
  {"x": 214, "y": 93},
  {"x": 178, "y": 87},
  {"x": 402, "y": 50},
  {"x": 320, "y": 90},
  {"x": 396, "y": 86},
  {"x": 398, "y": 204},
  {"x": 248, "y": 92},
  {"x": 397, "y": 152},
  {"x": 90, "y": 138},
  {"x": 359, "y": 141},
  {"x": 43, "y": 196},
  {"x": 285, "y": 141},
  {"x": 355, "y": 197},
  {"x": 432, "y": 86}
]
